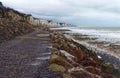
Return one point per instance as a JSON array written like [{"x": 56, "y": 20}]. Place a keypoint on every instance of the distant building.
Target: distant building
[{"x": 1, "y": 4}]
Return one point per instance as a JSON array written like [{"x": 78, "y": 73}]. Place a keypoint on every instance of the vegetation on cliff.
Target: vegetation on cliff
[
  {"x": 12, "y": 24},
  {"x": 11, "y": 29}
]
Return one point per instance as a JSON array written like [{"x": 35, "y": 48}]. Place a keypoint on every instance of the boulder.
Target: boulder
[
  {"x": 56, "y": 67},
  {"x": 93, "y": 70},
  {"x": 60, "y": 61},
  {"x": 79, "y": 72}
]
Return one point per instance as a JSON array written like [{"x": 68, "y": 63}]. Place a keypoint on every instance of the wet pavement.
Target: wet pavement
[{"x": 26, "y": 57}]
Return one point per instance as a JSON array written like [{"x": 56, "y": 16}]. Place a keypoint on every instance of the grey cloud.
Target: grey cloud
[{"x": 94, "y": 12}]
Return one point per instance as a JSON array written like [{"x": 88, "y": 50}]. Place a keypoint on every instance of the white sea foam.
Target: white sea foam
[
  {"x": 111, "y": 35},
  {"x": 108, "y": 35}
]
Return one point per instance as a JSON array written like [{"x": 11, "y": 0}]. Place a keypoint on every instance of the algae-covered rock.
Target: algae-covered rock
[
  {"x": 117, "y": 73},
  {"x": 67, "y": 55},
  {"x": 107, "y": 67},
  {"x": 54, "y": 49},
  {"x": 79, "y": 72},
  {"x": 79, "y": 61},
  {"x": 56, "y": 67},
  {"x": 88, "y": 61},
  {"x": 108, "y": 64},
  {"x": 93, "y": 70},
  {"x": 67, "y": 76},
  {"x": 60, "y": 61}
]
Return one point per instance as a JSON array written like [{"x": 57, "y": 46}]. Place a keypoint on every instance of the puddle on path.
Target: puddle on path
[
  {"x": 43, "y": 58},
  {"x": 35, "y": 63}
]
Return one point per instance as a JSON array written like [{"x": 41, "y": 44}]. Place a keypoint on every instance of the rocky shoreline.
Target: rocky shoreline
[
  {"x": 97, "y": 46},
  {"x": 110, "y": 58},
  {"x": 74, "y": 60},
  {"x": 107, "y": 55}
]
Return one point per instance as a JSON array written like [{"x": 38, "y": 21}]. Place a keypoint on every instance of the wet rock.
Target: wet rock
[
  {"x": 82, "y": 73},
  {"x": 67, "y": 76},
  {"x": 93, "y": 70},
  {"x": 56, "y": 67},
  {"x": 79, "y": 61},
  {"x": 60, "y": 61}
]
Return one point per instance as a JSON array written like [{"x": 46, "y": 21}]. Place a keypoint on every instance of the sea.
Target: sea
[{"x": 107, "y": 34}]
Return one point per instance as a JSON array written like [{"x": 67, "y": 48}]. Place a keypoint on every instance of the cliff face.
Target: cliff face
[
  {"x": 17, "y": 16},
  {"x": 12, "y": 24},
  {"x": 8, "y": 13}
]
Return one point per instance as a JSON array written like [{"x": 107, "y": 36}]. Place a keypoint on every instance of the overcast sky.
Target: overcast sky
[{"x": 78, "y": 12}]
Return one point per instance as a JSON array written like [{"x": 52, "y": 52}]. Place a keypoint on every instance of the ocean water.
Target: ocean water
[{"x": 107, "y": 34}]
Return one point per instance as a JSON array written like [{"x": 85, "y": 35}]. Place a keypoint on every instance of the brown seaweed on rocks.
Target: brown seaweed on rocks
[{"x": 84, "y": 62}]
